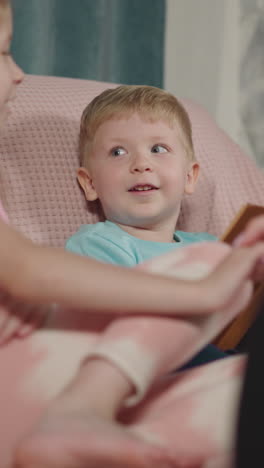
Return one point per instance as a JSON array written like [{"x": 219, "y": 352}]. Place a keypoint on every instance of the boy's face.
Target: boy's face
[
  {"x": 10, "y": 74},
  {"x": 139, "y": 171}
]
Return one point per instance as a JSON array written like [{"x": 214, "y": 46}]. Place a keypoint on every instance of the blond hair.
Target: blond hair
[
  {"x": 150, "y": 102},
  {"x": 4, "y": 5}
]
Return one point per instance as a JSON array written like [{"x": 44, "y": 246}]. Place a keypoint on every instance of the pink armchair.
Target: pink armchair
[{"x": 39, "y": 157}]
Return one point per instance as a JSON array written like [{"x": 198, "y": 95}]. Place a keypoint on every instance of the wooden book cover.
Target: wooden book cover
[{"x": 236, "y": 330}]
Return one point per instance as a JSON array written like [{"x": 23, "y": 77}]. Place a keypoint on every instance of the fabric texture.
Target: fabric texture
[
  {"x": 39, "y": 158},
  {"x": 109, "y": 243}
]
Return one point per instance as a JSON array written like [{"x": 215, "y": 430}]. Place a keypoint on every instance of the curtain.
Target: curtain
[
  {"x": 108, "y": 40},
  {"x": 201, "y": 56},
  {"x": 214, "y": 54},
  {"x": 252, "y": 76}
]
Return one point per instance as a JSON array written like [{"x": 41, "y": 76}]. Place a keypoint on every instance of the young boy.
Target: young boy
[{"x": 137, "y": 158}]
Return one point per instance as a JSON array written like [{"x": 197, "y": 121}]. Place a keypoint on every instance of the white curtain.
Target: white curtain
[
  {"x": 214, "y": 54},
  {"x": 252, "y": 77}
]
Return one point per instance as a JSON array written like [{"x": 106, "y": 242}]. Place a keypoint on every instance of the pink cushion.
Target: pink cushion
[{"x": 38, "y": 160}]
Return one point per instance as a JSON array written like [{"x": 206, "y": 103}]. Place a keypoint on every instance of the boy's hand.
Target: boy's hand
[{"x": 18, "y": 319}]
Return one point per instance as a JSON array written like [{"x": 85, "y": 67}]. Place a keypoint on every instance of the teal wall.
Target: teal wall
[{"x": 108, "y": 40}]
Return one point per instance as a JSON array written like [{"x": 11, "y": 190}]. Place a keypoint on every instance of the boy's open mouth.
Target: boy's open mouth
[{"x": 142, "y": 188}]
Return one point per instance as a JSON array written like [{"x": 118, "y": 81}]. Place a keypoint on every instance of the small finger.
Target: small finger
[
  {"x": 26, "y": 330},
  {"x": 36, "y": 320},
  {"x": 10, "y": 329},
  {"x": 259, "y": 271},
  {"x": 253, "y": 233},
  {"x": 28, "y": 327},
  {"x": 4, "y": 309},
  {"x": 3, "y": 316}
]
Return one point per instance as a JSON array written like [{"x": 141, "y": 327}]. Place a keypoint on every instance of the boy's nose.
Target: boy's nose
[{"x": 140, "y": 163}]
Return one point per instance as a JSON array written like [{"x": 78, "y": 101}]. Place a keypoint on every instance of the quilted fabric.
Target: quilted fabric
[{"x": 38, "y": 160}]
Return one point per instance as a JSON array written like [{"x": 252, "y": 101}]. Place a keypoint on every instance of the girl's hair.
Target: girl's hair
[
  {"x": 151, "y": 103},
  {"x": 4, "y": 4}
]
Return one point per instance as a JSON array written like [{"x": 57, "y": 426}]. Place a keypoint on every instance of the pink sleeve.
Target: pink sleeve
[{"x": 3, "y": 214}]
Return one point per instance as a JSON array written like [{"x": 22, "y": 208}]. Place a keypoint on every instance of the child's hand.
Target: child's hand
[
  {"x": 18, "y": 319},
  {"x": 233, "y": 278},
  {"x": 253, "y": 232}
]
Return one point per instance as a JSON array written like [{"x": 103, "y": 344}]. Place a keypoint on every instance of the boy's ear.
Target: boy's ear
[
  {"x": 85, "y": 180},
  {"x": 192, "y": 176}
]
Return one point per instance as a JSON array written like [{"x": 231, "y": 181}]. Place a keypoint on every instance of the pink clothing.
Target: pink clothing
[
  {"x": 3, "y": 214},
  {"x": 191, "y": 414},
  {"x": 146, "y": 348}
]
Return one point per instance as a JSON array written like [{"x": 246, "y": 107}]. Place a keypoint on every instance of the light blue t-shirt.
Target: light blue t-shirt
[{"x": 109, "y": 243}]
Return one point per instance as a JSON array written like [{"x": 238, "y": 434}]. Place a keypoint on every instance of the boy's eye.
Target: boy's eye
[
  {"x": 117, "y": 151},
  {"x": 159, "y": 149}
]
